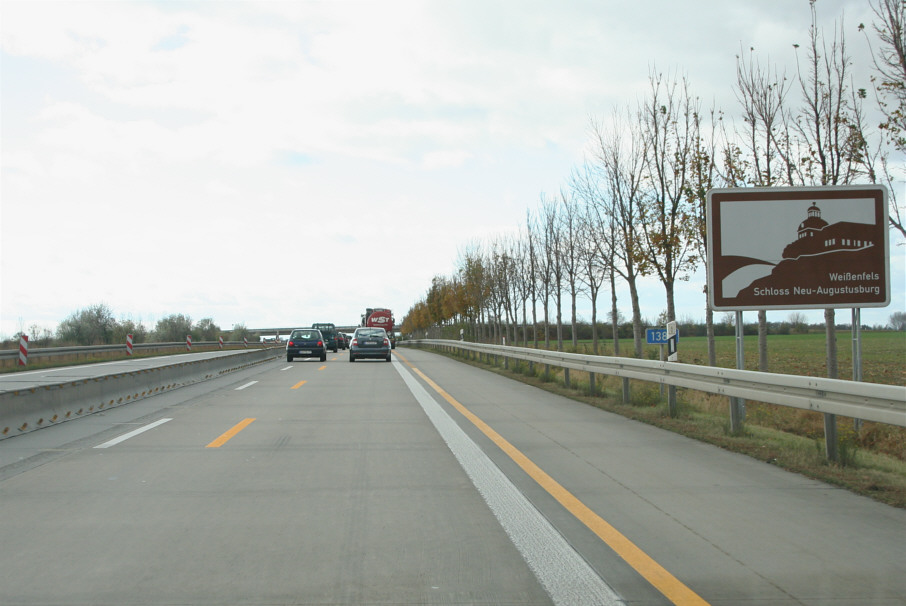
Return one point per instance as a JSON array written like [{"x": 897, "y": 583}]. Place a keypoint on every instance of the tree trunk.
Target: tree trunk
[
  {"x": 573, "y": 320},
  {"x": 671, "y": 300},
  {"x": 636, "y": 319},
  {"x": 535, "y": 320},
  {"x": 594, "y": 320},
  {"x": 547, "y": 325},
  {"x": 614, "y": 313}
]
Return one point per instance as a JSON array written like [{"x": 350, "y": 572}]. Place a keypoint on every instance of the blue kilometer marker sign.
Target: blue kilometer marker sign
[{"x": 656, "y": 336}]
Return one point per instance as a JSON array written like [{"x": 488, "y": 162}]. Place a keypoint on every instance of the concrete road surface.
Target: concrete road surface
[{"x": 421, "y": 481}]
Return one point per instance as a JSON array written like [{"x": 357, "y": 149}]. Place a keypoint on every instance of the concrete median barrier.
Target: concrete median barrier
[{"x": 28, "y": 409}]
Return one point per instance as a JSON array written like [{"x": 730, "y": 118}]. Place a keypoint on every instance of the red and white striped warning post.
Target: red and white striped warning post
[
  {"x": 246, "y": 341},
  {"x": 221, "y": 342},
  {"x": 23, "y": 350},
  {"x": 128, "y": 345},
  {"x": 188, "y": 342}
]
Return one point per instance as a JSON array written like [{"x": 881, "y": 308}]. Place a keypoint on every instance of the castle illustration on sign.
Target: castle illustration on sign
[{"x": 817, "y": 237}]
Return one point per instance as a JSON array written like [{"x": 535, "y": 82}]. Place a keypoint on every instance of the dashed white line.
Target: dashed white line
[
  {"x": 131, "y": 434},
  {"x": 249, "y": 384}
]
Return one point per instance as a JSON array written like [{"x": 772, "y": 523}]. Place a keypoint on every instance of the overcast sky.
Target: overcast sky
[{"x": 286, "y": 163}]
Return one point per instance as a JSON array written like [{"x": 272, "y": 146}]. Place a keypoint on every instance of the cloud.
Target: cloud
[{"x": 160, "y": 155}]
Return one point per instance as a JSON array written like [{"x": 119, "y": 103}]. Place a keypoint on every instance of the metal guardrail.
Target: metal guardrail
[
  {"x": 51, "y": 352},
  {"x": 867, "y": 401}
]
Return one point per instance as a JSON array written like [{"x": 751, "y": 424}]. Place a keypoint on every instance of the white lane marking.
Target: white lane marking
[
  {"x": 563, "y": 573},
  {"x": 287, "y": 368},
  {"x": 249, "y": 384},
  {"x": 132, "y": 434}
]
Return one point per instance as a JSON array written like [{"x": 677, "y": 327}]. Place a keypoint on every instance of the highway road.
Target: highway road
[{"x": 422, "y": 481}]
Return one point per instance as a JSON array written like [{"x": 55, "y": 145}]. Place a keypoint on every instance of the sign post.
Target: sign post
[
  {"x": 669, "y": 338},
  {"x": 672, "y": 356},
  {"x": 672, "y": 338}
]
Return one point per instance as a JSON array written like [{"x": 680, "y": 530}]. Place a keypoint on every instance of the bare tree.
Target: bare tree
[
  {"x": 523, "y": 274},
  {"x": 890, "y": 89},
  {"x": 534, "y": 270},
  {"x": 761, "y": 92},
  {"x": 595, "y": 252},
  {"x": 515, "y": 282},
  {"x": 667, "y": 121},
  {"x": 828, "y": 125},
  {"x": 890, "y": 67},
  {"x": 570, "y": 216},
  {"x": 898, "y": 320},
  {"x": 553, "y": 266},
  {"x": 702, "y": 175},
  {"x": 619, "y": 153}
]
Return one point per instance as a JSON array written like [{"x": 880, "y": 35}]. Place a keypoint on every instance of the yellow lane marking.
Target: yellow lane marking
[
  {"x": 672, "y": 588},
  {"x": 299, "y": 384},
  {"x": 323, "y": 367},
  {"x": 228, "y": 435}
]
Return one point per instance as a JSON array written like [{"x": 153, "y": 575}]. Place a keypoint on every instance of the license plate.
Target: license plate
[
  {"x": 371, "y": 342},
  {"x": 304, "y": 351}
]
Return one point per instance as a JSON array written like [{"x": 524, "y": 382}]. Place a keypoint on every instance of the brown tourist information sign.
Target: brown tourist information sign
[{"x": 798, "y": 247}]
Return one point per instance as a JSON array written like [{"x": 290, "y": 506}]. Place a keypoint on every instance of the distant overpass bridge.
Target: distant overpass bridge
[{"x": 284, "y": 331}]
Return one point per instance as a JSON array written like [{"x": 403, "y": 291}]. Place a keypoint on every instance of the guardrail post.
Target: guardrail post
[
  {"x": 735, "y": 417},
  {"x": 830, "y": 437},
  {"x": 671, "y": 400},
  {"x": 591, "y": 384},
  {"x": 737, "y": 405},
  {"x": 857, "y": 355},
  {"x": 626, "y": 398},
  {"x": 661, "y": 359},
  {"x": 566, "y": 377}
]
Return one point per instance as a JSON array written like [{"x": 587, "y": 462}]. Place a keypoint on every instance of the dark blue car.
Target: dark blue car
[{"x": 306, "y": 343}]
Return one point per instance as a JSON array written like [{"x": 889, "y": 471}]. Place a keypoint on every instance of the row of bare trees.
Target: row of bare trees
[{"x": 637, "y": 205}]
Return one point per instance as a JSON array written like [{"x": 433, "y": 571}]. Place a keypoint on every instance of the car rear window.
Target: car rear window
[
  {"x": 305, "y": 334},
  {"x": 369, "y": 332}
]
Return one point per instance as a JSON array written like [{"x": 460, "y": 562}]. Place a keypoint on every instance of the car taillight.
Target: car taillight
[
  {"x": 355, "y": 342},
  {"x": 320, "y": 343},
  {"x": 386, "y": 342},
  {"x": 290, "y": 343}
]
